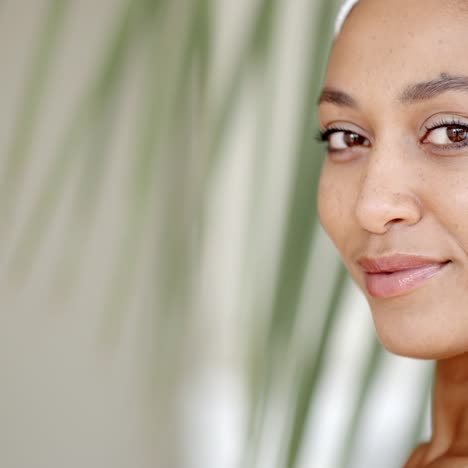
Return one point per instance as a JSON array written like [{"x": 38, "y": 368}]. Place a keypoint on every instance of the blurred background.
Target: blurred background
[{"x": 168, "y": 298}]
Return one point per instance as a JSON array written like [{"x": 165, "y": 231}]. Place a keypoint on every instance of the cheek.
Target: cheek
[
  {"x": 449, "y": 198},
  {"x": 334, "y": 206},
  {"x": 456, "y": 207}
]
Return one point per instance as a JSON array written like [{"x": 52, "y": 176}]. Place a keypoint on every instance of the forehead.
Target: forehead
[{"x": 386, "y": 44}]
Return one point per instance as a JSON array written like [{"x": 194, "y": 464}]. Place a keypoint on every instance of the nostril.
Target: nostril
[{"x": 394, "y": 221}]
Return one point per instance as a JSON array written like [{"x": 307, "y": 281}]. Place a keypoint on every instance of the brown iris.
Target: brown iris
[
  {"x": 457, "y": 134},
  {"x": 353, "y": 139}
]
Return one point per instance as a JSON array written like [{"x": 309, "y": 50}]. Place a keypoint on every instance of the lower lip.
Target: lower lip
[{"x": 385, "y": 285}]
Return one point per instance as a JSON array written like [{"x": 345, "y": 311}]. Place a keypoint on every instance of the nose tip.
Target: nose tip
[{"x": 378, "y": 209}]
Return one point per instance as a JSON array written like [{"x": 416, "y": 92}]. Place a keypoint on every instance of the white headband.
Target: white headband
[{"x": 342, "y": 15}]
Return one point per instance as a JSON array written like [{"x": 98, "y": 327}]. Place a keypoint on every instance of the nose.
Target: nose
[{"x": 387, "y": 194}]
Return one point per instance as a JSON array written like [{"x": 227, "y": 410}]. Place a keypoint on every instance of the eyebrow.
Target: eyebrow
[
  {"x": 429, "y": 89},
  {"x": 417, "y": 92},
  {"x": 337, "y": 97}
]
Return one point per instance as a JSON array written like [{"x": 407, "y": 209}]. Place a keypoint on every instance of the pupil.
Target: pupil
[
  {"x": 456, "y": 134},
  {"x": 352, "y": 139}
]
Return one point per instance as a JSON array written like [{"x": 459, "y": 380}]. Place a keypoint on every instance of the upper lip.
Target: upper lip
[{"x": 396, "y": 262}]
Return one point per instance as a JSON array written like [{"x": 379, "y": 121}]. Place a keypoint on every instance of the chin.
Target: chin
[
  {"x": 413, "y": 349},
  {"x": 420, "y": 339}
]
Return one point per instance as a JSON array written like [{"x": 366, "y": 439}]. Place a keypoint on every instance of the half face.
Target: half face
[{"x": 393, "y": 192}]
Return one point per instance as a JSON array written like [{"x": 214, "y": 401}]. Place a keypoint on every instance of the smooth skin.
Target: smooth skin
[{"x": 395, "y": 180}]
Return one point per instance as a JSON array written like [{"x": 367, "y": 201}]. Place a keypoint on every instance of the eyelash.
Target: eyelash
[
  {"x": 447, "y": 123},
  {"x": 323, "y": 135}
]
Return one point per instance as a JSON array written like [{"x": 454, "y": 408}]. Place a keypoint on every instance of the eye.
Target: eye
[
  {"x": 447, "y": 135},
  {"x": 339, "y": 140}
]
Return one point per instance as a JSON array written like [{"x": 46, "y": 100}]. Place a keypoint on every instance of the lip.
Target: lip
[{"x": 397, "y": 274}]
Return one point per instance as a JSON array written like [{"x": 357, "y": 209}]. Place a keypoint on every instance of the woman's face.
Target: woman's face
[{"x": 393, "y": 192}]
